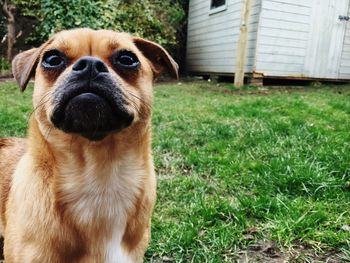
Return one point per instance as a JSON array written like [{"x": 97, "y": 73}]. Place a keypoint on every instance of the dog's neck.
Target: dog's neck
[{"x": 83, "y": 172}]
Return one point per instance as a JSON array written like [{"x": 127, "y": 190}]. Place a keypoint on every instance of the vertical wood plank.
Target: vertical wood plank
[
  {"x": 242, "y": 44},
  {"x": 326, "y": 39},
  {"x": 344, "y": 70}
]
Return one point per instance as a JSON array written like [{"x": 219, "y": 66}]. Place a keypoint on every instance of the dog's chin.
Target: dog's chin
[{"x": 91, "y": 116}]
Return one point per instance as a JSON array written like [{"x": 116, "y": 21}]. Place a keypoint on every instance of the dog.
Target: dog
[{"x": 82, "y": 186}]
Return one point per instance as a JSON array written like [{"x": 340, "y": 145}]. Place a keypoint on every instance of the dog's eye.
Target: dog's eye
[
  {"x": 53, "y": 59},
  {"x": 125, "y": 59}
]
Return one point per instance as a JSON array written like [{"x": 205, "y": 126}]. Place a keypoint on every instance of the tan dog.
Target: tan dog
[{"x": 82, "y": 187}]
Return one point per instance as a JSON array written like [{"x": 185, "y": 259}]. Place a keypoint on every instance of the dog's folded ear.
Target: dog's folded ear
[
  {"x": 158, "y": 56},
  {"x": 24, "y": 65}
]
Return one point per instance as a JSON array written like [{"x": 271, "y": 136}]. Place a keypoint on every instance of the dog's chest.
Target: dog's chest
[
  {"x": 104, "y": 192},
  {"x": 101, "y": 202}
]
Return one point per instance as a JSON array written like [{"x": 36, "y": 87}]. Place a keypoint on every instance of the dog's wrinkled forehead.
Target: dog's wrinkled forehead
[{"x": 86, "y": 42}]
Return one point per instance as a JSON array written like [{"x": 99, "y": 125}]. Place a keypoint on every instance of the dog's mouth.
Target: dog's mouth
[{"x": 91, "y": 112}]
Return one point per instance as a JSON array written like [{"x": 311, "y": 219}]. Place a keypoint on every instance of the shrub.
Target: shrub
[{"x": 156, "y": 20}]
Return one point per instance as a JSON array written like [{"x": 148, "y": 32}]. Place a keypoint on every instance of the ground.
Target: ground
[{"x": 252, "y": 175}]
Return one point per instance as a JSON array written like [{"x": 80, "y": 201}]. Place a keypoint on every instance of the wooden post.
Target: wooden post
[{"x": 242, "y": 44}]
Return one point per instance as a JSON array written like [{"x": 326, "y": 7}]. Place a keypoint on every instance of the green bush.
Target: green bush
[{"x": 156, "y": 20}]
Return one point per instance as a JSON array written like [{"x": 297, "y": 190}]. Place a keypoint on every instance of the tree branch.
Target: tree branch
[
  {"x": 7, "y": 9},
  {"x": 4, "y": 8}
]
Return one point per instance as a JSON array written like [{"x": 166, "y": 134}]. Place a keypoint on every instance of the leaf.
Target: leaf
[{"x": 345, "y": 228}]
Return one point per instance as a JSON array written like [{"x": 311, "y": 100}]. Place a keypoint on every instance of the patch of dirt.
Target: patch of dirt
[
  {"x": 6, "y": 79},
  {"x": 264, "y": 251},
  {"x": 268, "y": 251},
  {"x": 4, "y": 75}
]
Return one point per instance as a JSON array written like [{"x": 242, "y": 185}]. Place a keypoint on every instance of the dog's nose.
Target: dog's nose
[{"x": 89, "y": 66}]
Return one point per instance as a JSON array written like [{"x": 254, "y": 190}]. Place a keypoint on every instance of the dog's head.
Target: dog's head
[{"x": 92, "y": 83}]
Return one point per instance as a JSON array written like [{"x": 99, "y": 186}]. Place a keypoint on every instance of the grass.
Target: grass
[{"x": 237, "y": 169}]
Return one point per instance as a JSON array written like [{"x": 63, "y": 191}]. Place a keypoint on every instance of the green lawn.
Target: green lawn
[{"x": 263, "y": 175}]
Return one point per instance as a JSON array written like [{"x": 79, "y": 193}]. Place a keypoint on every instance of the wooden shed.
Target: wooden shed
[{"x": 285, "y": 38}]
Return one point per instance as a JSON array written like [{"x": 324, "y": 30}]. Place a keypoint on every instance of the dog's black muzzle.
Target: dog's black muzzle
[{"x": 89, "y": 102}]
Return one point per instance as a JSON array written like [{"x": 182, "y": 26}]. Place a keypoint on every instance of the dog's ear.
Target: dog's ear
[
  {"x": 24, "y": 65},
  {"x": 159, "y": 57}
]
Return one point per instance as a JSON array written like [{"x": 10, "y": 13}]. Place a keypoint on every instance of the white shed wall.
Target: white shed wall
[
  {"x": 212, "y": 38},
  {"x": 303, "y": 38},
  {"x": 283, "y": 37},
  {"x": 286, "y": 38}
]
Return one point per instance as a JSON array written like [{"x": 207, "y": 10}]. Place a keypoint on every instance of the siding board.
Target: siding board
[
  {"x": 282, "y": 42},
  {"x": 288, "y": 26},
  {"x": 286, "y": 16},
  {"x": 287, "y": 6},
  {"x": 280, "y": 50},
  {"x": 286, "y": 34},
  {"x": 211, "y": 45},
  {"x": 210, "y": 33},
  {"x": 273, "y": 58},
  {"x": 301, "y": 3}
]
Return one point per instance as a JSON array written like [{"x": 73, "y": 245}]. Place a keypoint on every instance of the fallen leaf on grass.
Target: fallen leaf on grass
[{"x": 345, "y": 228}]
